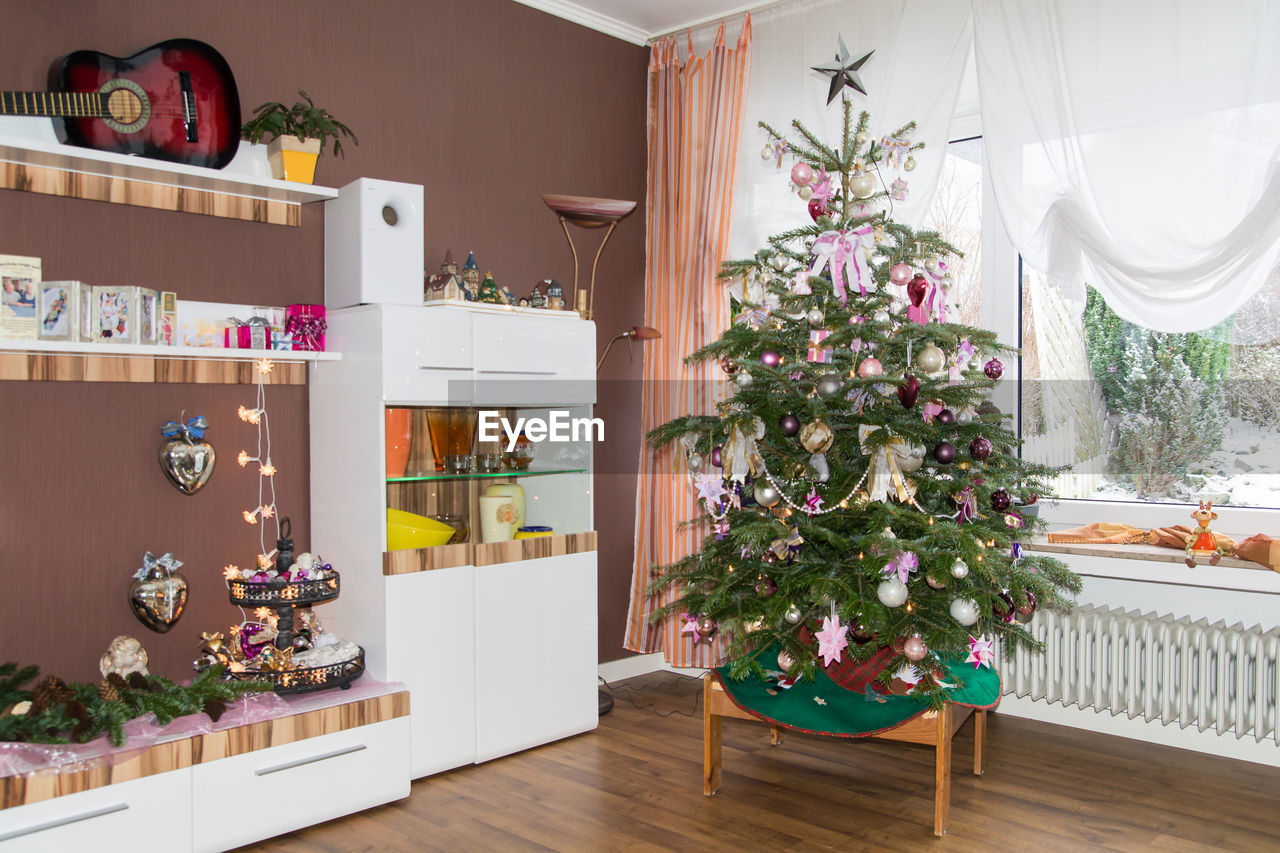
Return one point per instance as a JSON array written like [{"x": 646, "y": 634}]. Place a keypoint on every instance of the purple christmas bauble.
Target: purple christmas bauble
[
  {"x": 1000, "y": 500},
  {"x": 707, "y": 627},
  {"x": 860, "y": 634},
  {"x": 770, "y": 358},
  {"x": 789, "y": 424},
  {"x": 946, "y": 417},
  {"x": 1029, "y": 606},
  {"x": 980, "y": 448},
  {"x": 1030, "y": 498},
  {"x": 716, "y": 459},
  {"x": 728, "y": 365},
  {"x": 1006, "y": 613},
  {"x": 766, "y": 587},
  {"x": 993, "y": 368},
  {"x": 945, "y": 452}
]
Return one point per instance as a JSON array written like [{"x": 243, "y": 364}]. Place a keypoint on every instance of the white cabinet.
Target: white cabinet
[
  {"x": 535, "y": 665},
  {"x": 148, "y": 814},
  {"x": 298, "y": 784},
  {"x": 498, "y": 649}
]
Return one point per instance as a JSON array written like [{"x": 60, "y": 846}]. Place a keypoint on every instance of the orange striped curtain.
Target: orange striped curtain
[{"x": 695, "y": 114}]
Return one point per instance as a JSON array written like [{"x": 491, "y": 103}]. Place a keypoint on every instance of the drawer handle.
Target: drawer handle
[
  {"x": 432, "y": 367},
  {"x": 266, "y": 771},
  {"x": 521, "y": 372},
  {"x": 53, "y": 824}
]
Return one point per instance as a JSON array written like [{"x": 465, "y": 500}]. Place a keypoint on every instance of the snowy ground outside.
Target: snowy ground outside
[{"x": 1246, "y": 472}]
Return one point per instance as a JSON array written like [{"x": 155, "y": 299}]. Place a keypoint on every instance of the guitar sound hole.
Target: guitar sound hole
[
  {"x": 124, "y": 106},
  {"x": 389, "y": 215}
]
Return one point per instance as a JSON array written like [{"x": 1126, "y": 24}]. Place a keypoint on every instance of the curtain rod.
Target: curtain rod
[{"x": 760, "y": 11}]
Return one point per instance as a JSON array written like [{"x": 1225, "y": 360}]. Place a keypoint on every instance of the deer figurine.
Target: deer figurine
[{"x": 1202, "y": 542}]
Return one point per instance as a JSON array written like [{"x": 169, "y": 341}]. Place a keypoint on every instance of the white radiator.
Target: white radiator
[{"x": 1219, "y": 677}]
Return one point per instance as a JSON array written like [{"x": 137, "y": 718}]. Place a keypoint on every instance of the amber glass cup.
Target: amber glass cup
[{"x": 453, "y": 432}]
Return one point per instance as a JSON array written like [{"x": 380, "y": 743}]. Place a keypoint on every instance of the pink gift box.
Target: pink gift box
[
  {"x": 307, "y": 325},
  {"x": 249, "y": 336}
]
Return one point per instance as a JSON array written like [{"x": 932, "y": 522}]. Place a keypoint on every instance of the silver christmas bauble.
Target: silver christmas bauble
[
  {"x": 804, "y": 192},
  {"x": 881, "y": 317},
  {"x": 861, "y": 138},
  {"x": 965, "y": 417},
  {"x": 785, "y": 661},
  {"x": 743, "y": 379},
  {"x": 959, "y": 569},
  {"x": 910, "y": 165},
  {"x": 863, "y": 185},
  {"x": 766, "y": 495},
  {"x": 964, "y": 611},
  {"x": 935, "y": 582},
  {"x": 829, "y": 384},
  {"x": 931, "y": 359},
  {"x": 793, "y": 615},
  {"x": 933, "y": 265},
  {"x": 892, "y": 592},
  {"x": 695, "y": 462},
  {"x": 766, "y": 153},
  {"x": 915, "y": 458},
  {"x": 778, "y": 262},
  {"x": 815, "y": 316},
  {"x": 915, "y": 649}
]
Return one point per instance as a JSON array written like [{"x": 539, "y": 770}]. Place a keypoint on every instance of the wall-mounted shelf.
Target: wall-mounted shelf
[
  {"x": 87, "y": 362},
  {"x": 32, "y": 160}
]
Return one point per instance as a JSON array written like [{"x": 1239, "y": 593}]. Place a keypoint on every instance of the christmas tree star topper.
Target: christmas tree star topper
[{"x": 843, "y": 71}]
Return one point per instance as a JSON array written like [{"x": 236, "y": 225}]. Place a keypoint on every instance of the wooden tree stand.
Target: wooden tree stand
[{"x": 933, "y": 728}]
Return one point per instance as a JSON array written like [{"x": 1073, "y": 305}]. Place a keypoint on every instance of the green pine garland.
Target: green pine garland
[
  {"x": 844, "y": 552},
  {"x": 77, "y": 713}
]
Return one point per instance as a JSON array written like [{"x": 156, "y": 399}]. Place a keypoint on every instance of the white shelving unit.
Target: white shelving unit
[{"x": 497, "y": 642}]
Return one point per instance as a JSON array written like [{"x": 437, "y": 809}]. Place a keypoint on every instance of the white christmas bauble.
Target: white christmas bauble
[
  {"x": 910, "y": 164},
  {"x": 964, "y": 611},
  {"x": 743, "y": 379},
  {"x": 792, "y": 615},
  {"x": 932, "y": 265},
  {"x": 863, "y": 185},
  {"x": 881, "y": 317},
  {"x": 815, "y": 316},
  {"x": 695, "y": 463},
  {"x": 931, "y": 359},
  {"x": 757, "y": 428},
  {"x": 778, "y": 262},
  {"x": 892, "y": 592},
  {"x": 964, "y": 417},
  {"x": 766, "y": 495},
  {"x": 959, "y": 568},
  {"x": 861, "y": 138},
  {"x": 805, "y": 192},
  {"x": 767, "y": 153}
]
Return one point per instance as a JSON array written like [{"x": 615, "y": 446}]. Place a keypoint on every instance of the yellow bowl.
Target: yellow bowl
[{"x": 409, "y": 530}]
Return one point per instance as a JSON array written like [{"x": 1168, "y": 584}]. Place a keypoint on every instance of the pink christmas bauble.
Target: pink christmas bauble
[
  {"x": 801, "y": 174},
  {"x": 870, "y": 367},
  {"x": 817, "y": 208},
  {"x": 915, "y": 649},
  {"x": 900, "y": 274}
]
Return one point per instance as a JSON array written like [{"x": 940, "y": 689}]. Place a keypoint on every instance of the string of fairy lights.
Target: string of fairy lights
[{"x": 265, "y": 509}]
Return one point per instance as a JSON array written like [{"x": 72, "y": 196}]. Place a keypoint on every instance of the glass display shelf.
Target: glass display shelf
[{"x": 435, "y": 476}]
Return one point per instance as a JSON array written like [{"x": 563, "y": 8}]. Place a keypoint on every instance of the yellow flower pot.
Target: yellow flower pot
[{"x": 293, "y": 159}]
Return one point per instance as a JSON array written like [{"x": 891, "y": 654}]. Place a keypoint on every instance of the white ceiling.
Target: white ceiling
[{"x": 638, "y": 21}]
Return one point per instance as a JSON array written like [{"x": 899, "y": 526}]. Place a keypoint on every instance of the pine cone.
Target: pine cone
[
  {"x": 50, "y": 691},
  {"x": 109, "y": 691},
  {"x": 114, "y": 679},
  {"x": 138, "y": 682}
]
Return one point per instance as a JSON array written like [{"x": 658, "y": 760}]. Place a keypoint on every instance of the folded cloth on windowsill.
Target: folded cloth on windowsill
[
  {"x": 1260, "y": 548},
  {"x": 1100, "y": 533}
]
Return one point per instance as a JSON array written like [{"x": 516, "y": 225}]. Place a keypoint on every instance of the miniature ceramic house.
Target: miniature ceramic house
[
  {"x": 471, "y": 278},
  {"x": 445, "y": 284}
]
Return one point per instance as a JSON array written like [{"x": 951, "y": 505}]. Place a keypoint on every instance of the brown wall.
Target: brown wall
[{"x": 487, "y": 103}]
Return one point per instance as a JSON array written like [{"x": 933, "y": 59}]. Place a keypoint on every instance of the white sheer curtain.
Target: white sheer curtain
[
  {"x": 920, "y": 51},
  {"x": 1134, "y": 145}
]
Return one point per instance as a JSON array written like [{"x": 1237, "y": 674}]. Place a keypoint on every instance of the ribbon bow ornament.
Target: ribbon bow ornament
[
  {"x": 939, "y": 276},
  {"x": 895, "y": 150},
  {"x": 822, "y": 189},
  {"x": 903, "y": 565},
  {"x": 968, "y": 506},
  {"x": 193, "y": 429},
  {"x": 885, "y": 479},
  {"x": 841, "y": 250},
  {"x": 787, "y": 547},
  {"x": 150, "y": 563}
]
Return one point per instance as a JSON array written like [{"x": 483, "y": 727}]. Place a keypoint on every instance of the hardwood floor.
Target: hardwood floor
[{"x": 635, "y": 785}]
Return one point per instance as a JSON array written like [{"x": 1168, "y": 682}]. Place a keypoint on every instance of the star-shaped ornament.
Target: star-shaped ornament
[
  {"x": 832, "y": 639},
  {"x": 981, "y": 651},
  {"x": 844, "y": 71},
  {"x": 710, "y": 486}
]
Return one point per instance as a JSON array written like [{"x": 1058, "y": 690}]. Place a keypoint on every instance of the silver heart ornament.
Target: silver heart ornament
[
  {"x": 158, "y": 597},
  {"x": 187, "y": 464}
]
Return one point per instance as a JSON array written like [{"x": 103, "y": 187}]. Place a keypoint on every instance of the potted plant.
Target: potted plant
[{"x": 295, "y": 136}]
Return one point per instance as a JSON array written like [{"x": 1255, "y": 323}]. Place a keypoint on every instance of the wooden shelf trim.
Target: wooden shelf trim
[
  {"x": 467, "y": 554},
  {"x": 40, "y": 166},
  {"x": 199, "y": 749},
  {"x": 49, "y": 361}
]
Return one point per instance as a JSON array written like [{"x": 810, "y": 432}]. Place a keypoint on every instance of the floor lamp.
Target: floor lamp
[{"x": 586, "y": 212}]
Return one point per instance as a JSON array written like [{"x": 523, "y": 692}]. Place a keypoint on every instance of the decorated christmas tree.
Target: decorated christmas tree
[{"x": 865, "y": 498}]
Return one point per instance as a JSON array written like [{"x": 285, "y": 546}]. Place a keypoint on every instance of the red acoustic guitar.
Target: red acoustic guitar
[{"x": 173, "y": 101}]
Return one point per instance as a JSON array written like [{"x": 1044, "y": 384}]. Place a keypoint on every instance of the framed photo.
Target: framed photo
[
  {"x": 115, "y": 315},
  {"x": 57, "y": 309},
  {"x": 148, "y": 316},
  {"x": 205, "y": 324},
  {"x": 18, "y": 279}
]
